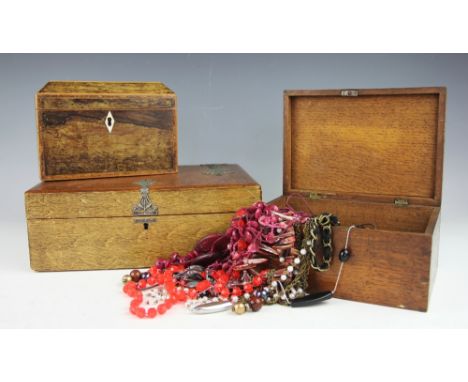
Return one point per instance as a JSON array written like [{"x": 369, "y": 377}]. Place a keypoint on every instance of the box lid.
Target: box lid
[
  {"x": 94, "y": 95},
  {"x": 213, "y": 188},
  {"x": 382, "y": 145}
]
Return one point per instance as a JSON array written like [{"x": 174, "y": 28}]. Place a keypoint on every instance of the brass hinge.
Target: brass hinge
[
  {"x": 315, "y": 196},
  {"x": 401, "y": 202},
  {"x": 349, "y": 93}
]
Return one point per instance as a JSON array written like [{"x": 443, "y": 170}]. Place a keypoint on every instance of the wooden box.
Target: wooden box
[
  {"x": 128, "y": 222},
  {"x": 106, "y": 129},
  {"x": 371, "y": 156}
]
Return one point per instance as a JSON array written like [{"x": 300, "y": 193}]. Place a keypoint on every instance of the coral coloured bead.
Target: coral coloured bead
[
  {"x": 248, "y": 288},
  {"x": 203, "y": 285},
  {"x": 219, "y": 286},
  {"x": 162, "y": 308},
  {"x": 181, "y": 296},
  {"x": 168, "y": 276},
  {"x": 142, "y": 284},
  {"x": 257, "y": 281},
  {"x": 241, "y": 212},
  {"x": 160, "y": 278},
  {"x": 242, "y": 245},
  {"x": 151, "y": 280},
  {"x": 170, "y": 287},
  {"x": 140, "y": 312},
  {"x": 236, "y": 291},
  {"x": 193, "y": 293},
  {"x": 151, "y": 313},
  {"x": 225, "y": 292},
  {"x": 138, "y": 295},
  {"x": 130, "y": 286},
  {"x": 222, "y": 277}
]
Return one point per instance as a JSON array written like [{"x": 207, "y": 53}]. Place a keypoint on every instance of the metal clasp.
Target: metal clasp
[
  {"x": 315, "y": 196},
  {"x": 145, "y": 206},
  {"x": 401, "y": 202},
  {"x": 349, "y": 93}
]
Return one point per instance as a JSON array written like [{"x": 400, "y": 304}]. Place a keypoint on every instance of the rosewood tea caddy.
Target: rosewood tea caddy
[
  {"x": 370, "y": 156},
  {"x": 106, "y": 129}
]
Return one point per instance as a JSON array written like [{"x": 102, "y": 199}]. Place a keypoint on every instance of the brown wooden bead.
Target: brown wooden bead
[
  {"x": 255, "y": 304},
  {"x": 135, "y": 275}
]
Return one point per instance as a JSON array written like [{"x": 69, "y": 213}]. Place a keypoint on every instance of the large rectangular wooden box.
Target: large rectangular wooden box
[
  {"x": 128, "y": 222},
  {"x": 106, "y": 129},
  {"x": 371, "y": 156}
]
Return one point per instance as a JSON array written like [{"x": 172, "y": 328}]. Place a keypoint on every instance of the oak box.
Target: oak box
[
  {"x": 371, "y": 156},
  {"x": 128, "y": 222}
]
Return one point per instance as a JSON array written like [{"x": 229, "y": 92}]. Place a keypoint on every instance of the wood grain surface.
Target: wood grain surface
[
  {"x": 393, "y": 264},
  {"x": 120, "y": 203},
  {"x": 380, "y": 145},
  {"x": 359, "y": 150},
  {"x": 81, "y": 102},
  {"x": 191, "y": 176},
  {"x": 112, "y": 243},
  {"x": 106, "y": 88},
  {"x": 88, "y": 224},
  {"x": 384, "y": 216},
  {"x": 78, "y": 142},
  {"x": 74, "y": 142}
]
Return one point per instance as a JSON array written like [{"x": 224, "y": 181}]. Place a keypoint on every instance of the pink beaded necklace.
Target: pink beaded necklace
[{"x": 255, "y": 262}]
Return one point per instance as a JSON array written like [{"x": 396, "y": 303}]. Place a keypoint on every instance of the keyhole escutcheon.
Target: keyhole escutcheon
[{"x": 109, "y": 121}]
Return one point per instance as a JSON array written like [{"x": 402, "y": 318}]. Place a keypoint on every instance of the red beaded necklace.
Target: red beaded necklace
[{"x": 256, "y": 261}]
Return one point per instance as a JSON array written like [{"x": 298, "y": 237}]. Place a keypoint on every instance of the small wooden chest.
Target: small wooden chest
[
  {"x": 371, "y": 156},
  {"x": 128, "y": 222},
  {"x": 106, "y": 129}
]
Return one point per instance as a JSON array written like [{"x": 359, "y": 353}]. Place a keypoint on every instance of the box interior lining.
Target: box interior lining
[
  {"x": 366, "y": 145},
  {"x": 384, "y": 216}
]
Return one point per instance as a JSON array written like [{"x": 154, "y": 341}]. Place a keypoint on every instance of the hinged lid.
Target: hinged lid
[
  {"x": 365, "y": 144},
  {"x": 94, "y": 95},
  {"x": 193, "y": 190}
]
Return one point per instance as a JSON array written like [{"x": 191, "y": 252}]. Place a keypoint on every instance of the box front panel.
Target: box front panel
[
  {"x": 113, "y": 243},
  {"x": 100, "y": 143},
  {"x": 390, "y": 264}
]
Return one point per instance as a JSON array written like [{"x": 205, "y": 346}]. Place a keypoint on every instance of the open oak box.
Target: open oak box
[{"x": 370, "y": 156}]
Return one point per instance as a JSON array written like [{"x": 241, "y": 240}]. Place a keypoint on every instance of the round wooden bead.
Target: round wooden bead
[
  {"x": 255, "y": 304},
  {"x": 135, "y": 275}
]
